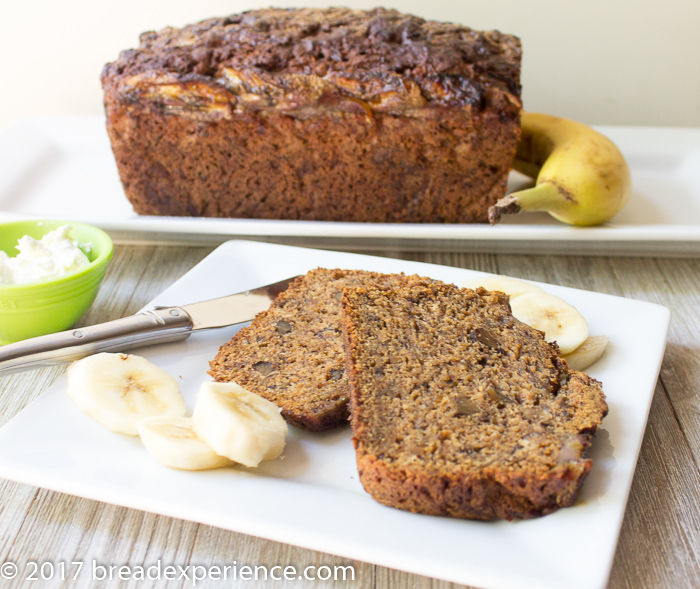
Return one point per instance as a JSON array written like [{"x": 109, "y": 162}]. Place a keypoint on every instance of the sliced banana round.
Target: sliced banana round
[
  {"x": 172, "y": 442},
  {"x": 588, "y": 353},
  {"x": 117, "y": 390},
  {"x": 513, "y": 287},
  {"x": 559, "y": 320},
  {"x": 238, "y": 424}
]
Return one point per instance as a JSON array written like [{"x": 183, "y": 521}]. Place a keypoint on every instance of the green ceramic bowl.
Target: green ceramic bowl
[{"x": 38, "y": 308}]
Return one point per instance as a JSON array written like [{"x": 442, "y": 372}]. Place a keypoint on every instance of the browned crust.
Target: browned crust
[
  {"x": 366, "y": 54},
  {"x": 470, "y": 496}
]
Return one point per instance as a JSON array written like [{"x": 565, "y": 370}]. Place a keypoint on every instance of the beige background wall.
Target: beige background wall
[{"x": 619, "y": 62}]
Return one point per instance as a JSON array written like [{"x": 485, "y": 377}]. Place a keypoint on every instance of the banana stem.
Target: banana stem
[{"x": 542, "y": 197}]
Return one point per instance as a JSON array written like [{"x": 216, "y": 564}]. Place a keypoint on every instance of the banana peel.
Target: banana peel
[{"x": 582, "y": 178}]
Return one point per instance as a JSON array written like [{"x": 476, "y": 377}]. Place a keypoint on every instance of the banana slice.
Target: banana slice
[
  {"x": 238, "y": 424},
  {"x": 172, "y": 442},
  {"x": 513, "y": 287},
  {"x": 117, "y": 390},
  {"x": 587, "y": 353},
  {"x": 559, "y": 320}
]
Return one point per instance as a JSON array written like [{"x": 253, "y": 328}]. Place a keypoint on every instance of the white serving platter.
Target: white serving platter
[
  {"x": 62, "y": 167},
  {"x": 312, "y": 497}
]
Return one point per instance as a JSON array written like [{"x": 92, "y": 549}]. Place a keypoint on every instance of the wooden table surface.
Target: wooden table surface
[{"x": 659, "y": 545}]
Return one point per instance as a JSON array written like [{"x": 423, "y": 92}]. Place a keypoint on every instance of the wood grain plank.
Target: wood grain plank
[
  {"x": 16, "y": 502},
  {"x": 63, "y": 528},
  {"x": 162, "y": 268},
  {"x": 674, "y": 283},
  {"x": 20, "y": 389},
  {"x": 470, "y": 261},
  {"x": 121, "y": 280},
  {"x": 679, "y": 289},
  {"x": 660, "y": 538},
  {"x": 400, "y": 580}
]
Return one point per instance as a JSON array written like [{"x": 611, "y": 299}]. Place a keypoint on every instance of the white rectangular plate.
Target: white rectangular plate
[
  {"x": 312, "y": 497},
  {"x": 62, "y": 167}
]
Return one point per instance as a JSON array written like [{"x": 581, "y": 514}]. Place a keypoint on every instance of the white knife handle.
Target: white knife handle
[{"x": 163, "y": 324}]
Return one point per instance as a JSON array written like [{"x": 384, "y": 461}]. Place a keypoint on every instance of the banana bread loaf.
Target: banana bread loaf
[
  {"x": 292, "y": 354},
  {"x": 316, "y": 114},
  {"x": 458, "y": 409}
]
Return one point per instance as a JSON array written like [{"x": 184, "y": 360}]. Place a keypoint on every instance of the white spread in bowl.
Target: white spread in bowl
[{"x": 54, "y": 255}]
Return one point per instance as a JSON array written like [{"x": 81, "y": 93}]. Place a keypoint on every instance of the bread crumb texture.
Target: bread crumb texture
[
  {"x": 459, "y": 409},
  {"x": 292, "y": 354}
]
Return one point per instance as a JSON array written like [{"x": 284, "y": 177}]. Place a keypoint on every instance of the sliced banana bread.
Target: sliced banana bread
[
  {"x": 459, "y": 409},
  {"x": 292, "y": 354}
]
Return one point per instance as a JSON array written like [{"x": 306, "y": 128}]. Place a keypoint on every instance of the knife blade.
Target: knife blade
[{"x": 154, "y": 326}]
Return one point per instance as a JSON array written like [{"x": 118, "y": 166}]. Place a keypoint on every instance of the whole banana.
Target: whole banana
[{"x": 581, "y": 176}]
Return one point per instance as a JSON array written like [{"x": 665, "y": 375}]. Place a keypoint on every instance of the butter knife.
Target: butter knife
[{"x": 154, "y": 326}]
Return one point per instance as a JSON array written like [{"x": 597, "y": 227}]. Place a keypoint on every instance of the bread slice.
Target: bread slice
[
  {"x": 292, "y": 354},
  {"x": 459, "y": 409}
]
